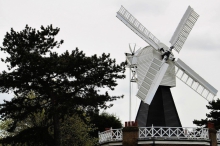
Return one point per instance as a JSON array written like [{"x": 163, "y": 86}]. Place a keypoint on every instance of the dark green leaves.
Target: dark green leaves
[
  {"x": 213, "y": 116},
  {"x": 61, "y": 83}
]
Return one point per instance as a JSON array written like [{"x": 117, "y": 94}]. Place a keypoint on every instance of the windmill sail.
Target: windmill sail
[
  {"x": 151, "y": 80},
  {"x": 194, "y": 81},
  {"x": 155, "y": 76},
  {"x": 150, "y": 73},
  {"x": 137, "y": 27},
  {"x": 183, "y": 29}
]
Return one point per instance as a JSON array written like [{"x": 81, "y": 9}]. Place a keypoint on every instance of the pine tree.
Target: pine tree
[
  {"x": 213, "y": 116},
  {"x": 103, "y": 121},
  {"x": 61, "y": 83}
]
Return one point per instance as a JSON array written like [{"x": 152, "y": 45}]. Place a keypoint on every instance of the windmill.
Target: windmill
[{"x": 154, "y": 69}]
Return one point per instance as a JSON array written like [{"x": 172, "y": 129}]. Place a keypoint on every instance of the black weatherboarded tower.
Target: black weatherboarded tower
[{"x": 161, "y": 112}]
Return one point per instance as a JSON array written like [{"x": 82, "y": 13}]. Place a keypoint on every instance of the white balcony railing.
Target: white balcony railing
[
  {"x": 173, "y": 133},
  {"x": 218, "y": 135},
  {"x": 110, "y": 135},
  {"x": 189, "y": 133}
]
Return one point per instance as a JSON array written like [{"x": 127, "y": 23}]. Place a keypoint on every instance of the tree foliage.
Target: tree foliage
[
  {"x": 33, "y": 130},
  {"x": 213, "y": 116},
  {"x": 35, "y": 119},
  {"x": 103, "y": 121},
  {"x": 76, "y": 132},
  {"x": 62, "y": 83}
]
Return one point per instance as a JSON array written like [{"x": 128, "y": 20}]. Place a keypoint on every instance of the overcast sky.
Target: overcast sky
[{"x": 92, "y": 26}]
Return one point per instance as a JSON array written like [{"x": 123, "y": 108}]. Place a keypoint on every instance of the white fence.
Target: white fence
[
  {"x": 173, "y": 132},
  {"x": 160, "y": 132},
  {"x": 218, "y": 136},
  {"x": 110, "y": 135}
]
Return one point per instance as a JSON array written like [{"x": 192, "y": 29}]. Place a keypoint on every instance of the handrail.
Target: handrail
[
  {"x": 186, "y": 133},
  {"x": 110, "y": 135},
  {"x": 218, "y": 135},
  {"x": 174, "y": 132}
]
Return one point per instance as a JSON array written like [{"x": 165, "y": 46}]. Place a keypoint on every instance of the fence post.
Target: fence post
[
  {"x": 212, "y": 134},
  {"x": 111, "y": 132},
  {"x": 152, "y": 131},
  {"x": 130, "y": 135}
]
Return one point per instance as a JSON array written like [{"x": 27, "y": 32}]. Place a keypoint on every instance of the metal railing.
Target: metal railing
[
  {"x": 218, "y": 135},
  {"x": 189, "y": 133},
  {"x": 110, "y": 135},
  {"x": 173, "y": 133}
]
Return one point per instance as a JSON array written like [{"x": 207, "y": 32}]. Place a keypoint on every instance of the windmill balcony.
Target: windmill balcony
[
  {"x": 158, "y": 135},
  {"x": 218, "y": 136},
  {"x": 110, "y": 135}
]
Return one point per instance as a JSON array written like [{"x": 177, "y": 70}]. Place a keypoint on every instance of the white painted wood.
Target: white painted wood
[
  {"x": 172, "y": 133},
  {"x": 147, "y": 90},
  {"x": 197, "y": 82},
  {"x": 137, "y": 27},
  {"x": 147, "y": 79},
  {"x": 183, "y": 29}
]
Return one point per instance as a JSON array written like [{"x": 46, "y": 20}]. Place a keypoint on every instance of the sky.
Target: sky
[{"x": 92, "y": 26}]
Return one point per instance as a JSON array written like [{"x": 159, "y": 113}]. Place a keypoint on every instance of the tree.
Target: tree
[
  {"x": 62, "y": 83},
  {"x": 103, "y": 121},
  {"x": 74, "y": 130},
  {"x": 213, "y": 116},
  {"x": 28, "y": 130}
]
